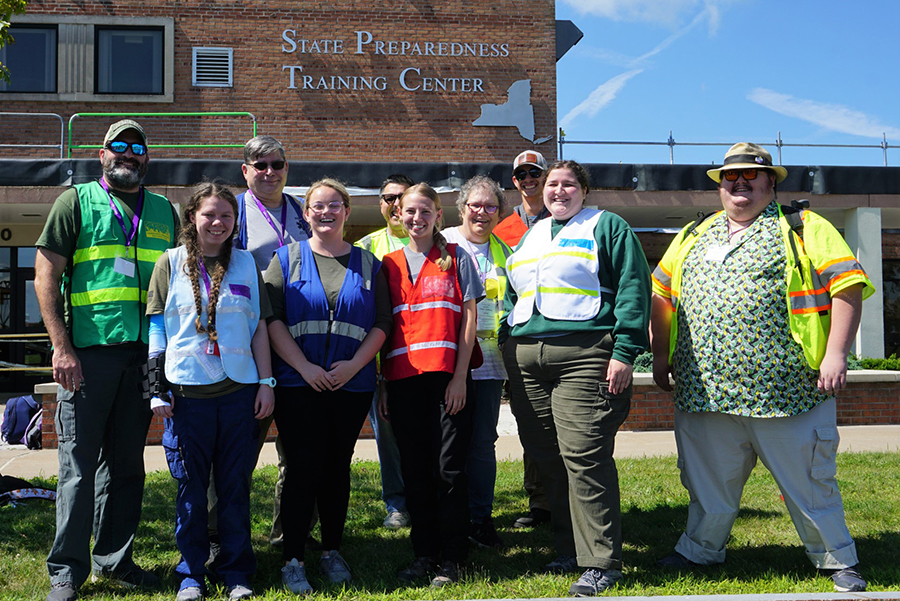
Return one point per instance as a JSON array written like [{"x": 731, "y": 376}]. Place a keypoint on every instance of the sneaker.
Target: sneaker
[
  {"x": 676, "y": 561},
  {"x": 293, "y": 576},
  {"x": 335, "y": 568},
  {"x": 239, "y": 591},
  {"x": 533, "y": 518},
  {"x": 62, "y": 591},
  {"x": 563, "y": 564},
  {"x": 594, "y": 581},
  {"x": 133, "y": 578},
  {"x": 396, "y": 520},
  {"x": 190, "y": 593},
  {"x": 848, "y": 580},
  {"x": 448, "y": 574},
  {"x": 485, "y": 535},
  {"x": 421, "y": 567}
]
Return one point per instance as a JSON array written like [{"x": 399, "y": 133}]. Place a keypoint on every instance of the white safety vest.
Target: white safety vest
[
  {"x": 237, "y": 316},
  {"x": 561, "y": 275}
]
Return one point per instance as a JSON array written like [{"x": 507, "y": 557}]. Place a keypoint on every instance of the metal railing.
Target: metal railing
[
  {"x": 30, "y": 145},
  {"x": 199, "y": 114},
  {"x": 671, "y": 143}
]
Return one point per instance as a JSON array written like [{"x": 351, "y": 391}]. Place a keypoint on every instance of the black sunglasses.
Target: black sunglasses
[
  {"x": 119, "y": 147},
  {"x": 534, "y": 172},
  {"x": 263, "y": 166},
  {"x": 389, "y": 198}
]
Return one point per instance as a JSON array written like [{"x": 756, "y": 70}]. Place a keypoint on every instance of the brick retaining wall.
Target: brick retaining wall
[{"x": 871, "y": 397}]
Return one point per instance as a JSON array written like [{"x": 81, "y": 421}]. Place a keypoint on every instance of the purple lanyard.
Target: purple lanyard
[
  {"x": 129, "y": 238},
  {"x": 205, "y": 275},
  {"x": 265, "y": 213}
]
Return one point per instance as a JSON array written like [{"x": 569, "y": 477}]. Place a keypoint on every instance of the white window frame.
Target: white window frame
[{"x": 76, "y": 58}]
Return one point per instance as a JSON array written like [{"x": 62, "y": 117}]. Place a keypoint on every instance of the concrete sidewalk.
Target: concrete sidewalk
[{"x": 16, "y": 460}]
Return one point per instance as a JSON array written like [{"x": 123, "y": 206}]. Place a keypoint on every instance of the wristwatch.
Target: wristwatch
[{"x": 270, "y": 382}]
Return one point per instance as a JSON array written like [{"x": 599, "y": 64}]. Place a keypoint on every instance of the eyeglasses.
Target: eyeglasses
[
  {"x": 733, "y": 174},
  {"x": 263, "y": 166},
  {"x": 534, "y": 172},
  {"x": 331, "y": 207},
  {"x": 119, "y": 147},
  {"x": 389, "y": 198},
  {"x": 489, "y": 209}
]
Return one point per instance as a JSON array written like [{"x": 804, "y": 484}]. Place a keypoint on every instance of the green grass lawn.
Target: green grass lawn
[{"x": 764, "y": 553}]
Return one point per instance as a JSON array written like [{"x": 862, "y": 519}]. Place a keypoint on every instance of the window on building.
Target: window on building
[
  {"x": 212, "y": 67},
  {"x": 31, "y": 60},
  {"x": 91, "y": 58},
  {"x": 129, "y": 61}
]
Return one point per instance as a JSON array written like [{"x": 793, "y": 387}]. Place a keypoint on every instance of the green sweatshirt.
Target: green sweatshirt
[{"x": 623, "y": 268}]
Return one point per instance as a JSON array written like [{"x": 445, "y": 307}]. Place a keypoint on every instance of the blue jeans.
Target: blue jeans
[
  {"x": 218, "y": 433},
  {"x": 392, "y": 491},
  {"x": 481, "y": 462}
]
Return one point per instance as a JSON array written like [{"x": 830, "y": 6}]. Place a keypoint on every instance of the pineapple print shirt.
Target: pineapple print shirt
[{"x": 734, "y": 352}]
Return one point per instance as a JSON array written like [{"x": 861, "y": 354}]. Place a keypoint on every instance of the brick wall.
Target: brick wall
[
  {"x": 319, "y": 124},
  {"x": 866, "y": 401}
]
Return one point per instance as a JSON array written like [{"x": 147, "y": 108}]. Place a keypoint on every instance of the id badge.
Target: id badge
[
  {"x": 717, "y": 253},
  {"x": 124, "y": 267}
]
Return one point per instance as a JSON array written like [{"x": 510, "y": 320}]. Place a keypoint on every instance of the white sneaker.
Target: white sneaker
[
  {"x": 396, "y": 520},
  {"x": 293, "y": 576}
]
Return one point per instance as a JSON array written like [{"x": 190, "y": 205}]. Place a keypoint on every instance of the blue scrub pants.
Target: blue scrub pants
[{"x": 218, "y": 434}]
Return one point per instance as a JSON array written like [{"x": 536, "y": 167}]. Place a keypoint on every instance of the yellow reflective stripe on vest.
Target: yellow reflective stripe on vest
[
  {"x": 340, "y": 328},
  {"x": 97, "y": 253},
  {"x": 561, "y": 290},
  {"x": 512, "y": 266},
  {"x": 107, "y": 295},
  {"x": 572, "y": 253}
]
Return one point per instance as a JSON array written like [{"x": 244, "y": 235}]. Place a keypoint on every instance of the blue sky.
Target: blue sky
[{"x": 820, "y": 72}]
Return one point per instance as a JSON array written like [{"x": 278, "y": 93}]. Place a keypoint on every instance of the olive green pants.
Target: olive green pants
[{"x": 567, "y": 422}]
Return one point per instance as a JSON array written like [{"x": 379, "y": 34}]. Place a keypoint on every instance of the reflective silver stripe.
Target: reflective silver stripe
[
  {"x": 818, "y": 302},
  {"x": 341, "y": 328},
  {"x": 436, "y": 305},
  {"x": 308, "y": 327},
  {"x": 421, "y": 346},
  {"x": 834, "y": 270},
  {"x": 426, "y": 306},
  {"x": 662, "y": 277},
  {"x": 230, "y": 350}
]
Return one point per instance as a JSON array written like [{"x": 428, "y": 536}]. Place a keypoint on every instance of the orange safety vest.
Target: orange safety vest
[
  {"x": 511, "y": 230},
  {"x": 427, "y": 316}
]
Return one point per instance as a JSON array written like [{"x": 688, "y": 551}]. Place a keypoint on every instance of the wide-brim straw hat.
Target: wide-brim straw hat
[{"x": 745, "y": 155}]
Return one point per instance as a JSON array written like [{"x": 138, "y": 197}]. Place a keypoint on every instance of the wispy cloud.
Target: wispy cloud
[
  {"x": 599, "y": 98},
  {"x": 670, "y": 13},
  {"x": 835, "y": 117}
]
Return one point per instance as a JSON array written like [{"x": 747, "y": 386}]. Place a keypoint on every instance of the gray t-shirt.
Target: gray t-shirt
[
  {"x": 469, "y": 280},
  {"x": 262, "y": 238}
]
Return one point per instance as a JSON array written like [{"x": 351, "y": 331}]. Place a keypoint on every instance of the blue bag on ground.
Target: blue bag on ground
[{"x": 19, "y": 412}]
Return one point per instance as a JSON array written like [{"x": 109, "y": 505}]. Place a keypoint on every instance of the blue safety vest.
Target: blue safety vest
[{"x": 326, "y": 336}]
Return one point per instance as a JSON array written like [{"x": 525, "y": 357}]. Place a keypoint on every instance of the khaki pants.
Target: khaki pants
[{"x": 717, "y": 452}]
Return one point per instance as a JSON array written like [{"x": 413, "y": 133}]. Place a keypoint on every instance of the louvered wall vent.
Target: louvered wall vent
[{"x": 213, "y": 67}]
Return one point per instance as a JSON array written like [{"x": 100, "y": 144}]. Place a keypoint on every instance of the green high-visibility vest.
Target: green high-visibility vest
[{"x": 108, "y": 307}]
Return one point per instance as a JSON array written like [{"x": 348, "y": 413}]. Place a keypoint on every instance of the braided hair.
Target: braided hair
[
  {"x": 428, "y": 192},
  {"x": 192, "y": 265}
]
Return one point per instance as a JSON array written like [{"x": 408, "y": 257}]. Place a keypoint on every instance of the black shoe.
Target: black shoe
[
  {"x": 449, "y": 574},
  {"x": 485, "y": 535},
  {"x": 420, "y": 568},
  {"x": 63, "y": 591},
  {"x": 676, "y": 561},
  {"x": 533, "y": 518},
  {"x": 848, "y": 580}
]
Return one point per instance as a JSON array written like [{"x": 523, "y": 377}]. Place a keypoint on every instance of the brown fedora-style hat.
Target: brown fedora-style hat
[{"x": 745, "y": 155}]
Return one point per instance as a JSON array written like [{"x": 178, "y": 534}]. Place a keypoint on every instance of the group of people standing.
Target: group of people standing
[{"x": 265, "y": 311}]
